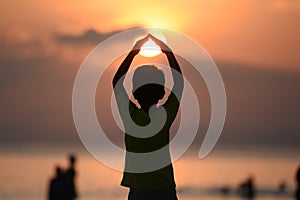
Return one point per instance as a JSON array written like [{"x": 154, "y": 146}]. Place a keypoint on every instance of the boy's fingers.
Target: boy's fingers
[
  {"x": 142, "y": 41},
  {"x": 157, "y": 41},
  {"x": 138, "y": 45},
  {"x": 163, "y": 46},
  {"x": 145, "y": 39}
]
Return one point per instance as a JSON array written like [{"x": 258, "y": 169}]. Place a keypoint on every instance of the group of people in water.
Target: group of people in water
[
  {"x": 246, "y": 189},
  {"x": 62, "y": 185}
]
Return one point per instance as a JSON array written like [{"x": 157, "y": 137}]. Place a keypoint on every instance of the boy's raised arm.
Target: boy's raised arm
[
  {"x": 123, "y": 69},
  {"x": 177, "y": 77}
]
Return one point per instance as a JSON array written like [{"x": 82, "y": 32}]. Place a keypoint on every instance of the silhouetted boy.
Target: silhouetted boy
[{"x": 160, "y": 183}]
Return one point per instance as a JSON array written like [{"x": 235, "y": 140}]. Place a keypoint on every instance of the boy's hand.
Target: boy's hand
[
  {"x": 164, "y": 48},
  {"x": 138, "y": 45}
]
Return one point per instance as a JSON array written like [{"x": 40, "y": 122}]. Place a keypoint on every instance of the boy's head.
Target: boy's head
[{"x": 148, "y": 84}]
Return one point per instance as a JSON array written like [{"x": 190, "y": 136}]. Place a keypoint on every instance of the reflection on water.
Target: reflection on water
[{"x": 26, "y": 175}]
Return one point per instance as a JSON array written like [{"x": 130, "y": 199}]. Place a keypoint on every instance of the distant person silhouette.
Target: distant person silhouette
[
  {"x": 158, "y": 184},
  {"x": 298, "y": 184},
  {"x": 69, "y": 176},
  {"x": 56, "y": 188},
  {"x": 62, "y": 186},
  {"x": 247, "y": 189},
  {"x": 282, "y": 187}
]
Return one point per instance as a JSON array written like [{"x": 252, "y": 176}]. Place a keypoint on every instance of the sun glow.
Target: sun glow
[{"x": 150, "y": 49}]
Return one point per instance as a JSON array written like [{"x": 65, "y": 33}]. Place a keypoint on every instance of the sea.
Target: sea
[{"x": 25, "y": 173}]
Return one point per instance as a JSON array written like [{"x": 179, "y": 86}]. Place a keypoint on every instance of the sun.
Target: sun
[{"x": 150, "y": 49}]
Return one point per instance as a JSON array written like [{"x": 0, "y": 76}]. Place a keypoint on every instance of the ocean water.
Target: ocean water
[{"x": 25, "y": 176}]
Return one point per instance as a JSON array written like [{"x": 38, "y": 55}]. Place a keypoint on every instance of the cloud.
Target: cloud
[
  {"x": 56, "y": 45},
  {"x": 90, "y": 36}
]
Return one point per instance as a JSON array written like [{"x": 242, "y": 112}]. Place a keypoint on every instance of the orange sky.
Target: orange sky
[{"x": 264, "y": 33}]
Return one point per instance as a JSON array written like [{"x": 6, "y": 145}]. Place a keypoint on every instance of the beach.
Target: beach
[{"x": 26, "y": 175}]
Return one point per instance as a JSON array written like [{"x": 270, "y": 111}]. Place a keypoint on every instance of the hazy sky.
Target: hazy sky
[{"x": 255, "y": 43}]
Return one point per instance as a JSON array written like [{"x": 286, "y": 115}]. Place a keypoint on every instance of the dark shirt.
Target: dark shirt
[{"x": 160, "y": 179}]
